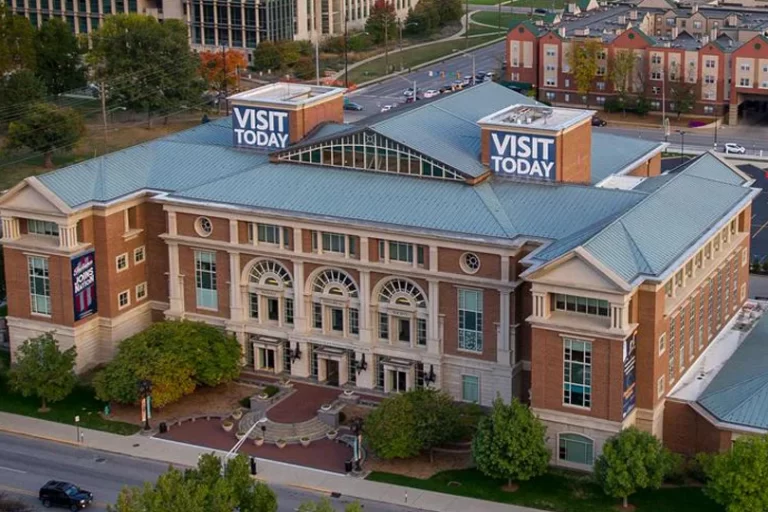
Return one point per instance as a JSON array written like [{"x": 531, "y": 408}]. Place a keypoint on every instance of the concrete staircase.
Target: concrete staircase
[{"x": 314, "y": 429}]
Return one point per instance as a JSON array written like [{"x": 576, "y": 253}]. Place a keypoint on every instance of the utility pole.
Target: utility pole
[
  {"x": 317, "y": 43},
  {"x": 103, "y": 94},
  {"x": 386, "y": 44},
  {"x": 466, "y": 28},
  {"x": 400, "y": 43},
  {"x": 346, "y": 43}
]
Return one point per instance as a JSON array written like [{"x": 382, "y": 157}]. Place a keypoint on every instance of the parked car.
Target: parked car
[
  {"x": 412, "y": 99},
  {"x": 64, "y": 494},
  {"x": 540, "y": 11},
  {"x": 732, "y": 147},
  {"x": 479, "y": 77},
  {"x": 351, "y": 105},
  {"x": 387, "y": 108},
  {"x": 597, "y": 121},
  {"x": 458, "y": 84},
  {"x": 489, "y": 76},
  {"x": 409, "y": 92},
  {"x": 446, "y": 88},
  {"x": 430, "y": 93}
]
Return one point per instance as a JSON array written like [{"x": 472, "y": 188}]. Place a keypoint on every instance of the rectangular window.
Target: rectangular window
[
  {"x": 735, "y": 283},
  {"x": 383, "y": 326},
  {"x": 403, "y": 329},
  {"x": 401, "y": 251},
  {"x": 273, "y": 309},
  {"x": 710, "y": 308},
  {"x": 39, "y": 285},
  {"x": 660, "y": 387},
  {"x": 334, "y": 242},
  {"x": 576, "y": 448},
  {"x": 421, "y": 331},
  {"x": 39, "y": 227},
  {"x": 577, "y": 372},
  {"x": 701, "y": 318},
  {"x": 692, "y": 329},
  {"x": 205, "y": 280},
  {"x": 662, "y": 343},
  {"x": 726, "y": 288},
  {"x": 122, "y": 262},
  {"x": 254, "y": 303},
  {"x": 719, "y": 297},
  {"x": 337, "y": 319},
  {"x": 124, "y": 299},
  {"x": 587, "y": 306},
  {"x": 141, "y": 291},
  {"x": 317, "y": 315},
  {"x": 289, "y": 311},
  {"x": 268, "y": 233},
  {"x": 139, "y": 254},
  {"x": 683, "y": 320},
  {"x": 471, "y": 320},
  {"x": 470, "y": 388}
]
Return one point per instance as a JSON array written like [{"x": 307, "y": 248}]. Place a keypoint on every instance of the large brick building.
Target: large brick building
[
  {"x": 479, "y": 243},
  {"x": 721, "y": 56}
]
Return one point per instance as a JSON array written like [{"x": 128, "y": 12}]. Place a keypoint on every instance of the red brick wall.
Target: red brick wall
[
  {"x": 187, "y": 268},
  {"x": 529, "y": 75},
  {"x": 185, "y": 224},
  {"x": 302, "y": 121},
  {"x": 17, "y": 283},
  {"x": 448, "y": 260},
  {"x": 449, "y": 307},
  {"x": 157, "y": 253},
  {"x": 686, "y": 432},
  {"x": 574, "y": 155},
  {"x": 547, "y": 376}
]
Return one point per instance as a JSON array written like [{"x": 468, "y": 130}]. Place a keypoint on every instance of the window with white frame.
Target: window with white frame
[
  {"x": 39, "y": 285},
  {"x": 660, "y": 387},
  {"x": 403, "y": 313},
  {"x": 551, "y": 52},
  {"x": 585, "y": 305},
  {"x": 701, "y": 318},
  {"x": 576, "y": 448},
  {"x": 656, "y": 90},
  {"x": 672, "y": 348},
  {"x": 577, "y": 372},
  {"x": 41, "y": 227},
  {"x": 550, "y": 67},
  {"x": 600, "y": 86},
  {"x": 470, "y": 320},
  {"x": 141, "y": 291},
  {"x": 550, "y": 95},
  {"x": 470, "y": 388},
  {"x": 709, "y": 79},
  {"x": 600, "y": 100},
  {"x": 656, "y": 58},
  {"x": 403, "y": 252},
  {"x": 692, "y": 329},
  {"x": 746, "y": 67},
  {"x": 121, "y": 262},
  {"x": 655, "y": 75},
  {"x": 551, "y": 83},
  {"x": 124, "y": 299},
  {"x": 335, "y": 301},
  {"x": 334, "y": 243},
  {"x": 205, "y": 280},
  {"x": 708, "y": 109},
  {"x": 270, "y": 293},
  {"x": 259, "y": 233},
  {"x": 139, "y": 254},
  {"x": 601, "y": 71},
  {"x": 744, "y": 82},
  {"x": 683, "y": 320},
  {"x": 735, "y": 282},
  {"x": 662, "y": 343}
]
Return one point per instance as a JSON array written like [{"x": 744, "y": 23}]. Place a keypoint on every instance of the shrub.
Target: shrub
[
  {"x": 736, "y": 478},
  {"x": 271, "y": 390}
]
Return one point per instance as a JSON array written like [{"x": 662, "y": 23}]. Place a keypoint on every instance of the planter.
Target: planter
[
  {"x": 349, "y": 392},
  {"x": 263, "y": 396},
  {"x": 331, "y": 434},
  {"x": 305, "y": 441},
  {"x": 286, "y": 383},
  {"x": 237, "y": 414},
  {"x": 227, "y": 425},
  {"x": 239, "y": 435},
  {"x": 325, "y": 407},
  {"x": 281, "y": 443},
  {"x": 258, "y": 441}
]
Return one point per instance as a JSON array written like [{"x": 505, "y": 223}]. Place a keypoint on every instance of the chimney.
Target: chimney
[
  {"x": 713, "y": 34},
  {"x": 694, "y": 8},
  {"x": 276, "y": 115},
  {"x": 538, "y": 143},
  {"x": 674, "y": 32},
  {"x": 704, "y": 39}
]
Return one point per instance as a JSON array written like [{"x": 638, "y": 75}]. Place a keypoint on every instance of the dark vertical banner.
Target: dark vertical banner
[
  {"x": 84, "y": 285},
  {"x": 630, "y": 365}
]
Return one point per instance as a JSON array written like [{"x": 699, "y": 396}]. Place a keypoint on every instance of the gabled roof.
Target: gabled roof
[
  {"x": 612, "y": 153},
  {"x": 738, "y": 394},
  {"x": 527, "y": 23}
]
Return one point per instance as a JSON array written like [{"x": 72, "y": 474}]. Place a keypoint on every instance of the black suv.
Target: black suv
[{"x": 64, "y": 494}]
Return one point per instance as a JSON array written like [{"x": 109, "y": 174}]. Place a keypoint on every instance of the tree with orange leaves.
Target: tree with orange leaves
[{"x": 219, "y": 69}]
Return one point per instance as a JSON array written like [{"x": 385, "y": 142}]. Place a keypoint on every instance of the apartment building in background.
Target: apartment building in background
[
  {"x": 480, "y": 243},
  {"x": 720, "y": 54},
  {"x": 213, "y": 24}
]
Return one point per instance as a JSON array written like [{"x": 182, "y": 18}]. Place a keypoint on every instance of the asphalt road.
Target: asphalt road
[{"x": 26, "y": 464}]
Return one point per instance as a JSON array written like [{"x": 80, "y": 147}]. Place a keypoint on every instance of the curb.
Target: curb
[
  {"x": 44, "y": 438},
  {"x": 424, "y": 64}
]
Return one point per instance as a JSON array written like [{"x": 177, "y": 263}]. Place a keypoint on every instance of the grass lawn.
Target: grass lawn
[
  {"x": 557, "y": 490},
  {"x": 544, "y": 4},
  {"x": 492, "y": 18},
  {"x": 479, "y": 29},
  {"x": 413, "y": 57},
  {"x": 81, "y": 402},
  {"x": 486, "y": 2}
]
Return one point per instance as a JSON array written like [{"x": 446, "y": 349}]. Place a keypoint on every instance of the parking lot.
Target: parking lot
[{"x": 759, "y": 210}]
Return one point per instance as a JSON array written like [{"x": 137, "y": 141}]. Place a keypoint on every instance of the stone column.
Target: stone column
[
  {"x": 300, "y": 367},
  {"x": 322, "y": 369},
  {"x": 67, "y": 236},
  {"x": 365, "y": 378},
  {"x": 235, "y": 292},
  {"x": 502, "y": 346},
  {"x": 433, "y": 331},
  {"x": 176, "y": 297},
  {"x": 300, "y": 323},
  {"x": 11, "y": 228},
  {"x": 344, "y": 370},
  {"x": 364, "y": 315}
]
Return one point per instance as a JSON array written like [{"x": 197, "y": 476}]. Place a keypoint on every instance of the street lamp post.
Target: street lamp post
[
  {"x": 357, "y": 430},
  {"x": 400, "y": 40},
  {"x": 682, "y": 145},
  {"x": 145, "y": 392},
  {"x": 717, "y": 121},
  {"x": 346, "y": 43}
]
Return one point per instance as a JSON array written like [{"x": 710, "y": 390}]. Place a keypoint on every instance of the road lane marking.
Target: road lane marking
[{"x": 13, "y": 470}]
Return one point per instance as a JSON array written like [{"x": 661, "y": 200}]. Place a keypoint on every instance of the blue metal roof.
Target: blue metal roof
[
  {"x": 739, "y": 392},
  {"x": 612, "y": 153}
]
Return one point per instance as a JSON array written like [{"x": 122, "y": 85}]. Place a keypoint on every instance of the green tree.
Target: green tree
[
  {"x": 290, "y": 53},
  {"x": 510, "y": 443},
  {"x": 583, "y": 61},
  {"x": 450, "y": 10},
  {"x": 146, "y": 65},
  {"x": 736, "y": 478},
  {"x": 325, "y": 505},
  {"x": 44, "y": 371},
  {"x": 382, "y": 21},
  {"x": 437, "y": 418},
  {"x": 620, "y": 71},
  {"x": 203, "y": 489},
  {"x": 59, "y": 57},
  {"x": 632, "y": 460},
  {"x": 390, "y": 429},
  {"x": 45, "y": 128},
  {"x": 18, "y": 91},
  {"x": 266, "y": 57},
  {"x": 175, "y": 356},
  {"x": 684, "y": 97},
  {"x": 17, "y": 42}
]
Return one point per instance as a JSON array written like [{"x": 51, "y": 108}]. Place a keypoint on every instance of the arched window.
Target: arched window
[
  {"x": 402, "y": 313},
  {"x": 576, "y": 448},
  {"x": 335, "y": 303},
  {"x": 270, "y": 292}
]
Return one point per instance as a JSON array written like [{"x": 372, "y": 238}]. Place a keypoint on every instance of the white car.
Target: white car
[
  {"x": 409, "y": 92},
  {"x": 387, "y": 108},
  {"x": 732, "y": 147},
  {"x": 430, "y": 93}
]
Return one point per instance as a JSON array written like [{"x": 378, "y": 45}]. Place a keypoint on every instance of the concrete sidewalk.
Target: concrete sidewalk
[{"x": 269, "y": 471}]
